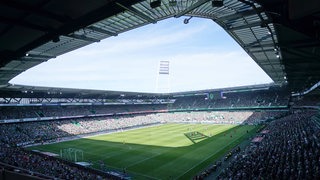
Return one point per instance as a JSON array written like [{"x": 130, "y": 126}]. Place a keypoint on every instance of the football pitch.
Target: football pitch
[{"x": 168, "y": 151}]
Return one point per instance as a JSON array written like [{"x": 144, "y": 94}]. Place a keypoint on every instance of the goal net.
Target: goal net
[{"x": 71, "y": 154}]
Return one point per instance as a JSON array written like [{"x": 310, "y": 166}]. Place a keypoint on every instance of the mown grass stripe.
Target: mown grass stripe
[{"x": 159, "y": 151}]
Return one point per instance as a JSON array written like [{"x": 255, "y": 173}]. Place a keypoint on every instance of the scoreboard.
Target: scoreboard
[{"x": 215, "y": 95}]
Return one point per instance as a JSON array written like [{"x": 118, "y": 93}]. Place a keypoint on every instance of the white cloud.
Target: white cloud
[{"x": 201, "y": 57}]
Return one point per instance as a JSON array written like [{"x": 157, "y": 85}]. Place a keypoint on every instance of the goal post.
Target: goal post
[{"x": 71, "y": 154}]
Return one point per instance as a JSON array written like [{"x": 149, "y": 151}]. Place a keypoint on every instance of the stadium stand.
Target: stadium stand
[
  {"x": 53, "y": 130},
  {"x": 19, "y": 112},
  {"x": 289, "y": 150},
  {"x": 246, "y": 99},
  {"x": 74, "y": 121},
  {"x": 280, "y": 36},
  {"x": 18, "y": 134},
  {"x": 45, "y": 167},
  {"x": 40, "y": 131},
  {"x": 309, "y": 100},
  {"x": 21, "y": 134}
]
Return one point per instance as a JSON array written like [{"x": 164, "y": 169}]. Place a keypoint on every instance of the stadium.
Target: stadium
[{"x": 262, "y": 131}]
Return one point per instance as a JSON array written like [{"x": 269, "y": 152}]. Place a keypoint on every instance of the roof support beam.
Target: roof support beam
[
  {"x": 31, "y": 59},
  {"x": 270, "y": 63},
  {"x": 263, "y": 43},
  {"x": 82, "y": 37},
  {"x": 10, "y": 71},
  {"x": 240, "y": 14},
  {"x": 191, "y": 8},
  {"x": 260, "y": 50},
  {"x": 260, "y": 40},
  {"x": 35, "y": 58},
  {"x": 41, "y": 56},
  {"x": 103, "y": 31},
  {"x": 138, "y": 13},
  {"x": 10, "y": 68},
  {"x": 258, "y": 23}
]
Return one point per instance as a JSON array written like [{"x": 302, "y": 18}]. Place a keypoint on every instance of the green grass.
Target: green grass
[{"x": 159, "y": 152}]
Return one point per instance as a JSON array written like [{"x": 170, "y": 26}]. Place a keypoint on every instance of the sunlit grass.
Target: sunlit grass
[
  {"x": 167, "y": 135},
  {"x": 159, "y": 152}
]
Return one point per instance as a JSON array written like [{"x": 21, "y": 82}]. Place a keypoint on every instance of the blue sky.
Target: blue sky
[{"x": 201, "y": 54}]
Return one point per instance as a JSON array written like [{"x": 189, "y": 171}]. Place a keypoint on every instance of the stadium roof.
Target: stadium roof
[
  {"x": 22, "y": 91},
  {"x": 282, "y": 38}
]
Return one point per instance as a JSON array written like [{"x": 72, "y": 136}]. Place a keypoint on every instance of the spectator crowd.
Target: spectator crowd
[
  {"x": 261, "y": 99},
  {"x": 42, "y": 131},
  {"x": 18, "y": 112},
  {"x": 289, "y": 149},
  {"x": 48, "y": 167}
]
